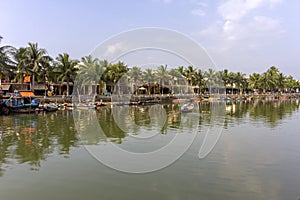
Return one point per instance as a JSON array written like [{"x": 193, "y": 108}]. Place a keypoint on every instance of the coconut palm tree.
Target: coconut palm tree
[
  {"x": 225, "y": 78},
  {"x": 281, "y": 81},
  {"x": 240, "y": 81},
  {"x": 163, "y": 75},
  {"x": 200, "y": 81},
  {"x": 176, "y": 79},
  {"x": 135, "y": 74},
  {"x": 20, "y": 65},
  {"x": 91, "y": 71},
  {"x": 291, "y": 83},
  {"x": 36, "y": 59},
  {"x": 148, "y": 76},
  {"x": 254, "y": 81},
  {"x": 190, "y": 73},
  {"x": 210, "y": 77},
  {"x": 272, "y": 81},
  {"x": 66, "y": 69},
  {"x": 6, "y": 63},
  {"x": 114, "y": 72}
]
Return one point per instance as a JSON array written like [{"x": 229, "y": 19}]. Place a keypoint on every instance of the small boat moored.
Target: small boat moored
[{"x": 22, "y": 102}]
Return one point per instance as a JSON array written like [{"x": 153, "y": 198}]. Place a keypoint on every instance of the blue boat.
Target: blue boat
[{"x": 22, "y": 102}]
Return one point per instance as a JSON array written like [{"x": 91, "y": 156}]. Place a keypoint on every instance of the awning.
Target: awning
[
  {"x": 5, "y": 87},
  {"x": 27, "y": 94}
]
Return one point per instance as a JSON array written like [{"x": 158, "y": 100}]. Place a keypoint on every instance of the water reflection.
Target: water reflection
[
  {"x": 33, "y": 138},
  {"x": 269, "y": 113}
]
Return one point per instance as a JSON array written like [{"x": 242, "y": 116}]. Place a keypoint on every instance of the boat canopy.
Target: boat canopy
[
  {"x": 27, "y": 94},
  {"x": 5, "y": 87}
]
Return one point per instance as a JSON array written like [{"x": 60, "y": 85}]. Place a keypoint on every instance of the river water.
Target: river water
[{"x": 252, "y": 152}]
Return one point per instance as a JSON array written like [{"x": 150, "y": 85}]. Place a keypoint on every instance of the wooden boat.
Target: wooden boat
[
  {"x": 23, "y": 102},
  {"x": 187, "y": 107}
]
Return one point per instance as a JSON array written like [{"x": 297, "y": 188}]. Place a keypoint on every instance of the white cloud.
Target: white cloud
[
  {"x": 199, "y": 11},
  {"x": 241, "y": 25},
  {"x": 237, "y": 9},
  {"x": 113, "y": 50}
]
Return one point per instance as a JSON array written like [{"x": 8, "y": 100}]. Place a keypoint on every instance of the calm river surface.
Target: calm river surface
[{"x": 257, "y": 156}]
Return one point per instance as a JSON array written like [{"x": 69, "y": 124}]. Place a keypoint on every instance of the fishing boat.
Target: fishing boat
[
  {"x": 187, "y": 107},
  {"x": 22, "y": 102}
]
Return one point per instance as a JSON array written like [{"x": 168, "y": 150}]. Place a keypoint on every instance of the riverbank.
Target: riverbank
[{"x": 175, "y": 98}]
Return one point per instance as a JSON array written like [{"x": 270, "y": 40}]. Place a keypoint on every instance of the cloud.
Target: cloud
[
  {"x": 237, "y": 9},
  {"x": 113, "y": 50},
  {"x": 240, "y": 24},
  {"x": 199, "y": 11}
]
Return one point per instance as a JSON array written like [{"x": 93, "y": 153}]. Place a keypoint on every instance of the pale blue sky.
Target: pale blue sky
[{"x": 241, "y": 35}]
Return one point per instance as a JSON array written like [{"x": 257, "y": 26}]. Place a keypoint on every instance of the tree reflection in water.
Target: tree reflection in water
[{"x": 33, "y": 138}]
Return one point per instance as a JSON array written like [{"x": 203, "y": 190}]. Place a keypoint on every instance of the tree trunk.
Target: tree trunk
[
  {"x": 32, "y": 84},
  {"x": 68, "y": 86}
]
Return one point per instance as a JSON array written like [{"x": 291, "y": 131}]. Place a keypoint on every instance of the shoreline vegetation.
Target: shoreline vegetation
[{"x": 25, "y": 68}]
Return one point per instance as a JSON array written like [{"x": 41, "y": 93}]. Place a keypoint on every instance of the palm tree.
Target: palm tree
[
  {"x": 66, "y": 69},
  {"x": 281, "y": 81},
  {"x": 210, "y": 76},
  {"x": 254, "y": 81},
  {"x": 163, "y": 76},
  {"x": 231, "y": 80},
  {"x": 291, "y": 83},
  {"x": 190, "y": 73},
  {"x": 148, "y": 75},
  {"x": 175, "y": 79},
  {"x": 200, "y": 81},
  {"x": 225, "y": 77},
  {"x": 272, "y": 74},
  {"x": 240, "y": 81},
  {"x": 91, "y": 70},
  {"x": 36, "y": 59},
  {"x": 6, "y": 64},
  {"x": 19, "y": 56},
  {"x": 135, "y": 74},
  {"x": 114, "y": 72}
]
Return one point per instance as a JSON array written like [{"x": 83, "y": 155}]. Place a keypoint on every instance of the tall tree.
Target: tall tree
[
  {"x": 225, "y": 78},
  {"x": 114, "y": 72},
  {"x": 281, "y": 82},
  {"x": 148, "y": 76},
  {"x": 19, "y": 56},
  {"x": 91, "y": 71},
  {"x": 66, "y": 69},
  {"x": 254, "y": 81},
  {"x": 210, "y": 77},
  {"x": 6, "y": 63},
  {"x": 36, "y": 59},
  {"x": 240, "y": 81},
  {"x": 135, "y": 74},
  {"x": 163, "y": 75},
  {"x": 200, "y": 81}
]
